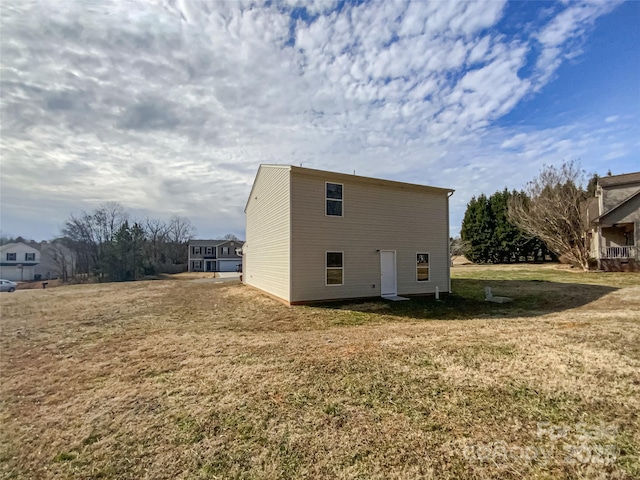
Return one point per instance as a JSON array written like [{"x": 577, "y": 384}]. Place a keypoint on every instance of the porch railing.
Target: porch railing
[{"x": 619, "y": 252}]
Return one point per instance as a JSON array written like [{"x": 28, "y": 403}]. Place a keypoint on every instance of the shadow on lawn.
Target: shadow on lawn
[{"x": 530, "y": 298}]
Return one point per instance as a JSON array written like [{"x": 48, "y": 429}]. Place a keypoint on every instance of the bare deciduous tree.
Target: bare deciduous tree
[
  {"x": 458, "y": 247},
  {"x": 550, "y": 208},
  {"x": 157, "y": 233},
  {"x": 81, "y": 237},
  {"x": 63, "y": 259},
  {"x": 230, "y": 236},
  {"x": 180, "y": 231},
  {"x": 108, "y": 219}
]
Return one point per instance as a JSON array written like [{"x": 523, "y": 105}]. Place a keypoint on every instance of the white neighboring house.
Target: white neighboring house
[
  {"x": 18, "y": 261},
  {"x": 314, "y": 235}
]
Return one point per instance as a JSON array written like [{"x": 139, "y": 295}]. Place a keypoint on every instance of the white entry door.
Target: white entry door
[{"x": 388, "y": 271}]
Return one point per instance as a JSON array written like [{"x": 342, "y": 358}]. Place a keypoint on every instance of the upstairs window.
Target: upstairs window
[
  {"x": 196, "y": 250},
  {"x": 335, "y": 268},
  {"x": 209, "y": 251},
  {"x": 225, "y": 250},
  {"x": 11, "y": 257},
  {"x": 334, "y": 199},
  {"x": 422, "y": 267},
  {"x": 29, "y": 257}
]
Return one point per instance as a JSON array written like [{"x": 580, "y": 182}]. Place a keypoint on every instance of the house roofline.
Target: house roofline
[
  {"x": 372, "y": 180},
  {"x": 211, "y": 243},
  {"x": 626, "y": 200},
  {"x": 618, "y": 180},
  {"x": 6, "y": 246},
  {"x": 337, "y": 175},
  {"x": 253, "y": 186}
]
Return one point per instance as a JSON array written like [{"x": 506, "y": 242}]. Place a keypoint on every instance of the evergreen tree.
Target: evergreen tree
[
  {"x": 492, "y": 237},
  {"x": 477, "y": 229}
]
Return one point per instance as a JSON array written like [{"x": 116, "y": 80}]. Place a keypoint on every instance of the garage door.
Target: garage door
[{"x": 228, "y": 265}]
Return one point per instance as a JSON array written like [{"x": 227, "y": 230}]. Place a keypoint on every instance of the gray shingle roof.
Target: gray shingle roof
[{"x": 623, "y": 179}]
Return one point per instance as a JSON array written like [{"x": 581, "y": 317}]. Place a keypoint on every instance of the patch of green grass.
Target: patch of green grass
[
  {"x": 334, "y": 410},
  {"x": 627, "y": 454},
  {"x": 289, "y": 458},
  {"x": 190, "y": 429},
  {"x": 352, "y": 318},
  {"x": 545, "y": 273},
  {"x": 477, "y": 354},
  {"x": 64, "y": 457}
]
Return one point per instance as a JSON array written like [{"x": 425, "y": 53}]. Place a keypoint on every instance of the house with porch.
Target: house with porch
[
  {"x": 215, "y": 255},
  {"x": 614, "y": 222}
]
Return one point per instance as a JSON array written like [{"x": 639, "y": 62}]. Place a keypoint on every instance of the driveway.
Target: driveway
[{"x": 223, "y": 277}]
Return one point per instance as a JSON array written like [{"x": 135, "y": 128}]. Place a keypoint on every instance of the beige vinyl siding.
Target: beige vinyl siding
[
  {"x": 376, "y": 217},
  {"x": 266, "y": 255},
  {"x": 627, "y": 213},
  {"x": 614, "y": 195}
]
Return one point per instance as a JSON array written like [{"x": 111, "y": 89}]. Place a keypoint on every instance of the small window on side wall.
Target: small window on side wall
[
  {"x": 333, "y": 199},
  {"x": 29, "y": 257},
  {"x": 11, "y": 256},
  {"x": 335, "y": 268},
  {"x": 422, "y": 267}
]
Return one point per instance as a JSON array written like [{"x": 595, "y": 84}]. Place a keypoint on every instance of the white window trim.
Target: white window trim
[
  {"x": 333, "y": 268},
  {"x": 333, "y": 199},
  {"x": 429, "y": 279},
  {"x": 14, "y": 259}
]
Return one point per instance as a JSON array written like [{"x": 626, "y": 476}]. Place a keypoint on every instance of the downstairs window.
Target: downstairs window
[{"x": 335, "y": 269}]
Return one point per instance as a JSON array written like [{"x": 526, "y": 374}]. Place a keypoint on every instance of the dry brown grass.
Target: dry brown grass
[
  {"x": 38, "y": 285},
  {"x": 172, "y": 379}
]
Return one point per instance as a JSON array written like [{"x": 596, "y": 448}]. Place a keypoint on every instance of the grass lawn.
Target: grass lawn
[{"x": 174, "y": 379}]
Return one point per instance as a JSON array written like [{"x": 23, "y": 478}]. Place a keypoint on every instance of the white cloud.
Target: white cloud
[
  {"x": 562, "y": 36},
  {"x": 169, "y": 107}
]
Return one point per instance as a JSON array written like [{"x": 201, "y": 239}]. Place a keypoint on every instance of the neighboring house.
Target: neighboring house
[
  {"x": 56, "y": 261},
  {"x": 215, "y": 255},
  {"x": 614, "y": 221},
  {"x": 314, "y": 235},
  {"x": 18, "y": 261}
]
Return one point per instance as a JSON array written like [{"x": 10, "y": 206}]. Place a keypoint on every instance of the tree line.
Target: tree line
[
  {"x": 544, "y": 220},
  {"x": 109, "y": 246},
  {"x": 490, "y": 236}
]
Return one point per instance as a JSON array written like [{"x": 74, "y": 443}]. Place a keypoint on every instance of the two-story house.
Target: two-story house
[
  {"x": 614, "y": 221},
  {"x": 314, "y": 235},
  {"x": 215, "y": 255},
  {"x": 18, "y": 261}
]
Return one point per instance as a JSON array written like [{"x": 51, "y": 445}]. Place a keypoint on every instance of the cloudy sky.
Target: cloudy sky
[{"x": 169, "y": 107}]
